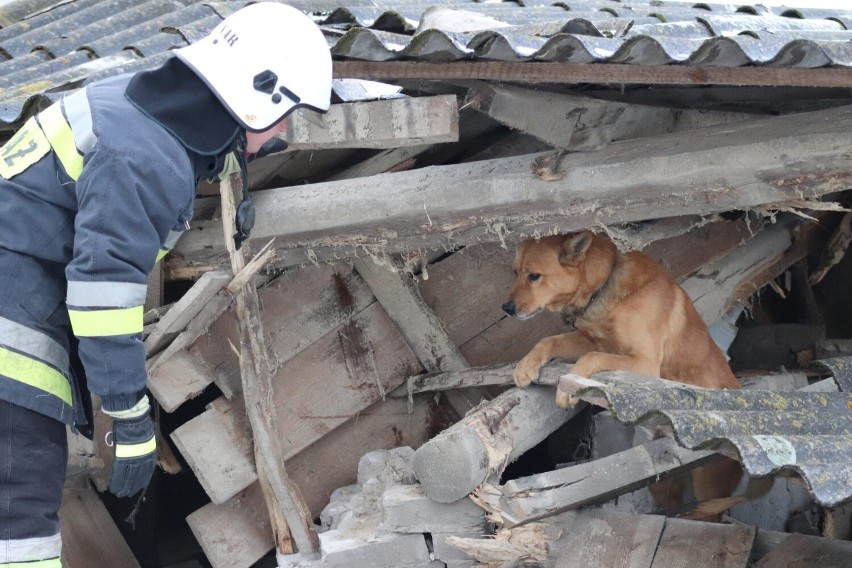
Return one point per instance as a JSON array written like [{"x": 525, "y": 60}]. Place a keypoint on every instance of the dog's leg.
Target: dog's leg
[
  {"x": 595, "y": 362},
  {"x": 570, "y": 346}
]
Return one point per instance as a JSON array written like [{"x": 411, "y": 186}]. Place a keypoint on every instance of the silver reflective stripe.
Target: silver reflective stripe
[
  {"x": 79, "y": 116},
  {"x": 172, "y": 239},
  {"x": 33, "y": 343},
  {"x": 105, "y": 294},
  {"x": 30, "y": 549}
]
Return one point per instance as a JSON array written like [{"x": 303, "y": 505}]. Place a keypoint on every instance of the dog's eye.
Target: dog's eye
[
  {"x": 533, "y": 277},
  {"x": 515, "y": 272}
]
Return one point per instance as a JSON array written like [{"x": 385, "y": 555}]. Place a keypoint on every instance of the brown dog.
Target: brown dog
[{"x": 628, "y": 315}]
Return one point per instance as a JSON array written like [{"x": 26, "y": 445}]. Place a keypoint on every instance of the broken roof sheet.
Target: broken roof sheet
[
  {"x": 52, "y": 46},
  {"x": 809, "y": 433}
]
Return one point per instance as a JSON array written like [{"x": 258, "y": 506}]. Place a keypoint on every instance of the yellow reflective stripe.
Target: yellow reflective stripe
[
  {"x": 161, "y": 254},
  {"x": 49, "y": 563},
  {"x": 35, "y": 373},
  {"x": 135, "y": 450},
  {"x": 61, "y": 138},
  {"x": 102, "y": 323}
]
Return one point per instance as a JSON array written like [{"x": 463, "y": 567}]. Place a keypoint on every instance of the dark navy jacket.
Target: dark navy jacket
[{"x": 92, "y": 193}]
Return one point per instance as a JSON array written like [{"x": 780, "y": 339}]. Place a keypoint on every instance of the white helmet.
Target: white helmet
[{"x": 262, "y": 62}]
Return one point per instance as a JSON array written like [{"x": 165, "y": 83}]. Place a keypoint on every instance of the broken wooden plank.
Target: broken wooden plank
[
  {"x": 288, "y": 513},
  {"x": 89, "y": 535},
  {"x": 299, "y": 307},
  {"x": 727, "y": 167},
  {"x": 587, "y": 123},
  {"x": 713, "y": 288},
  {"x": 330, "y": 463},
  {"x": 546, "y": 494},
  {"x": 483, "y": 443},
  {"x": 711, "y": 545},
  {"x": 609, "y": 74},
  {"x": 185, "y": 309},
  {"x": 390, "y": 123}
]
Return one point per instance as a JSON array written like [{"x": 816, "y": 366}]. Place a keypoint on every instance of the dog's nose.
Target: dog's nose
[{"x": 509, "y": 308}]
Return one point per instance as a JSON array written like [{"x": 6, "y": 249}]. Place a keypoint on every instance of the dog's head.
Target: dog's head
[{"x": 558, "y": 273}]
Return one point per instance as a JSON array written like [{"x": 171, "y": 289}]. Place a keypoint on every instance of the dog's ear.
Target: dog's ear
[{"x": 574, "y": 248}]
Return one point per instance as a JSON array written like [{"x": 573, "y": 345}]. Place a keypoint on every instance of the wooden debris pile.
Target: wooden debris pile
[{"x": 371, "y": 326}]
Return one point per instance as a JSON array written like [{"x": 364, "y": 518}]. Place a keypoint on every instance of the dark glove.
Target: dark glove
[{"x": 135, "y": 455}]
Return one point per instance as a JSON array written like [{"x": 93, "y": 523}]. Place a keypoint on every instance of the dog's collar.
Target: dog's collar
[{"x": 570, "y": 317}]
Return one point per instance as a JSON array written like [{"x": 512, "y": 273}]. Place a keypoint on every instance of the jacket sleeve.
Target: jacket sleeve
[{"x": 127, "y": 208}]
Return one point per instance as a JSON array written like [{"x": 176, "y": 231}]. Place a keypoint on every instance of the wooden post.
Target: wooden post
[{"x": 283, "y": 499}]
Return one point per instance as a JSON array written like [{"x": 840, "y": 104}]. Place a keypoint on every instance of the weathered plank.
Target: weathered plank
[
  {"x": 390, "y": 123},
  {"x": 590, "y": 123},
  {"x": 300, "y": 306},
  {"x": 539, "y": 496},
  {"x": 215, "y": 527},
  {"x": 710, "y": 545},
  {"x": 423, "y": 331},
  {"x": 358, "y": 363},
  {"x": 727, "y": 167},
  {"x": 793, "y": 550},
  {"x": 89, "y": 535},
  {"x": 593, "y": 538},
  {"x": 216, "y": 446}
]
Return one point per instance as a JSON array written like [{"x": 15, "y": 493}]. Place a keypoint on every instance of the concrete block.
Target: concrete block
[
  {"x": 348, "y": 548},
  {"x": 408, "y": 510},
  {"x": 392, "y": 466}
]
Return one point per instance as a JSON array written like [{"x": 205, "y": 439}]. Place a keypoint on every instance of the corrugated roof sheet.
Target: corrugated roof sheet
[
  {"x": 809, "y": 433},
  {"x": 51, "y": 46}
]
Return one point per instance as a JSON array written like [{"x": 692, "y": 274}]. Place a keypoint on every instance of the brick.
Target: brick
[
  {"x": 350, "y": 548},
  {"x": 408, "y": 510},
  {"x": 299, "y": 560}
]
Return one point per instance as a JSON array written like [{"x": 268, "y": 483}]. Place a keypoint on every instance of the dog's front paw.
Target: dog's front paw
[
  {"x": 527, "y": 370},
  {"x": 563, "y": 399}
]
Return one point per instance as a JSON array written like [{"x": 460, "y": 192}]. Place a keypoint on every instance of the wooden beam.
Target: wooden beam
[
  {"x": 585, "y": 123},
  {"x": 606, "y": 74},
  {"x": 391, "y": 123},
  {"x": 728, "y": 167},
  {"x": 480, "y": 446}
]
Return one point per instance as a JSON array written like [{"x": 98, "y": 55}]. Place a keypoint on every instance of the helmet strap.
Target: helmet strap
[{"x": 245, "y": 216}]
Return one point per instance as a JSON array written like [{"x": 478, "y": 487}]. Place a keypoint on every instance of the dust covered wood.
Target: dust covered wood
[{"x": 487, "y": 201}]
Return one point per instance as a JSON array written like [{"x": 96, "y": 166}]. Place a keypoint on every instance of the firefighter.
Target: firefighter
[{"x": 93, "y": 191}]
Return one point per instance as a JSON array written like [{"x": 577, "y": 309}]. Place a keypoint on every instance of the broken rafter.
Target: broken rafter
[
  {"x": 288, "y": 513},
  {"x": 543, "y": 495},
  {"x": 609, "y": 74}
]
